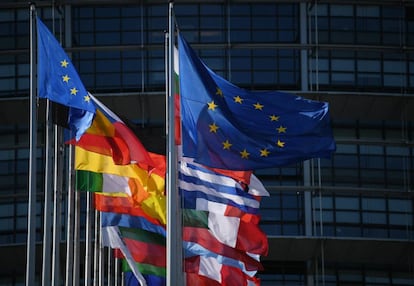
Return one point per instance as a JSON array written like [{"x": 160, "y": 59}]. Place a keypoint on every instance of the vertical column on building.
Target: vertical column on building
[{"x": 307, "y": 196}]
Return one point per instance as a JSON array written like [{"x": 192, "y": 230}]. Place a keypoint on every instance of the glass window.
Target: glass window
[
  {"x": 397, "y": 151},
  {"x": 347, "y": 231},
  {"x": 347, "y": 217},
  {"x": 6, "y": 210},
  {"x": 343, "y": 65},
  {"x": 374, "y": 204},
  {"x": 374, "y": 218},
  {"x": 400, "y": 205},
  {"x": 327, "y": 202},
  {"x": 341, "y": 10},
  {"x": 369, "y": 65},
  {"x": 368, "y": 11},
  {"x": 345, "y": 161},
  {"x": 345, "y": 148},
  {"x": 327, "y": 216},
  {"x": 371, "y": 149},
  {"x": 347, "y": 203},
  {"x": 401, "y": 219}
]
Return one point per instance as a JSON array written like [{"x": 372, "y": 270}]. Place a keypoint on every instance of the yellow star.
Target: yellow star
[
  {"x": 213, "y": 127},
  {"x": 219, "y": 92},
  {"x": 281, "y": 129},
  {"x": 73, "y": 91},
  {"x": 64, "y": 64},
  {"x": 264, "y": 153},
  {"x": 66, "y": 78},
  {"x": 280, "y": 144},
  {"x": 274, "y": 118},
  {"x": 226, "y": 145},
  {"x": 244, "y": 154},
  {"x": 87, "y": 98},
  {"x": 238, "y": 99},
  {"x": 258, "y": 106},
  {"x": 212, "y": 105}
]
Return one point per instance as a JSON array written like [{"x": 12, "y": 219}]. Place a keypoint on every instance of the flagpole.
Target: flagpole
[
  {"x": 96, "y": 250},
  {"x": 88, "y": 239},
  {"x": 31, "y": 219},
  {"x": 57, "y": 208},
  {"x": 116, "y": 272},
  {"x": 70, "y": 224},
  {"x": 76, "y": 235},
  {"x": 174, "y": 242},
  {"x": 109, "y": 267},
  {"x": 47, "y": 215},
  {"x": 101, "y": 255}
]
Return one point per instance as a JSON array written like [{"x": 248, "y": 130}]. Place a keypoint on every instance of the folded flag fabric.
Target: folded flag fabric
[
  {"x": 224, "y": 126},
  {"x": 199, "y": 185},
  {"x": 130, "y": 221},
  {"x": 109, "y": 183},
  {"x": 146, "y": 188},
  {"x": 145, "y": 246},
  {"x": 112, "y": 238},
  {"x": 231, "y": 231},
  {"x": 249, "y": 264},
  {"x": 121, "y": 204},
  {"x": 207, "y": 271},
  {"x": 154, "y": 273},
  {"x": 109, "y": 135},
  {"x": 153, "y": 280}
]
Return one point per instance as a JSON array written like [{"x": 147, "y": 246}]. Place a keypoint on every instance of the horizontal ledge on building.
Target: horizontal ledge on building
[{"x": 373, "y": 251}]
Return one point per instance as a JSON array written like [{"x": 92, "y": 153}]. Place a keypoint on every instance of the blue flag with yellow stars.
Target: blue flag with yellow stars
[
  {"x": 59, "y": 81},
  {"x": 224, "y": 126}
]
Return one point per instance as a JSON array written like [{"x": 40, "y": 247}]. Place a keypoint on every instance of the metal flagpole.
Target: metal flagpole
[
  {"x": 96, "y": 250},
  {"x": 76, "y": 234},
  {"x": 110, "y": 259},
  {"x": 174, "y": 242},
  {"x": 116, "y": 272},
  {"x": 57, "y": 206},
  {"x": 101, "y": 255},
  {"x": 88, "y": 239},
  {"x": 47, "y": 215},
  {"x": 70, "y": 224},
  {"x": 31, "y": 218}
]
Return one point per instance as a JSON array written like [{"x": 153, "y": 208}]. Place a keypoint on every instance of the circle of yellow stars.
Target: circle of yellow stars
[{"x": 227, "y": 145}]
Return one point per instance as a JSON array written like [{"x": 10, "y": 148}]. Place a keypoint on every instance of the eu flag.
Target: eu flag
[
  {"x": 224, "y": 126},
  {"x": 57, "y": 77},
  {"x": 59, "y": 82}
]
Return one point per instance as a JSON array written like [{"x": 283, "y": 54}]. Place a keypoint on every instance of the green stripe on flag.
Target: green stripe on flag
[
  {"x": 89, "y": 181},
  {"x": 145, "y": 269},
  {"x": 142, "y": 235},
  {"x": 195, "y": 218}
]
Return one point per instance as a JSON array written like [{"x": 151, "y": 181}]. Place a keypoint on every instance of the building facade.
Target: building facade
[{"x": 347, "y": 220}]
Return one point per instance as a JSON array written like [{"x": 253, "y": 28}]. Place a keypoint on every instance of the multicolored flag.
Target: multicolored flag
[
  {"x": 146, "y": 188},
  {"x": 207, "y": 271},
  {"x": 231, "y": 231},
  {"x": 112, "y": 238},
  {"x": 200, "y": 187},
  {"x": 109, "y": 135}
]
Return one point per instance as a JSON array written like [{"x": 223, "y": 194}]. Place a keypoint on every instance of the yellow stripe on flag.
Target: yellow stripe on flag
[
  {"x": 90, "y": 161},
  {"x": 147, "y": 189},
  {"x": 155, "y": 206}
]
